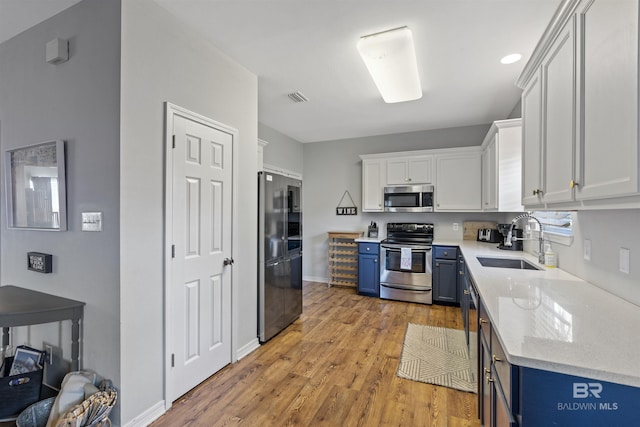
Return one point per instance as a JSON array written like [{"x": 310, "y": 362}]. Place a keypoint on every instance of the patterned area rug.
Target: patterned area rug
[{"x": 436, "y": 355}]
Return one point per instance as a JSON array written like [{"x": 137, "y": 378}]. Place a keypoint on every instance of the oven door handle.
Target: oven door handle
[{"x": 394, "y": 246}]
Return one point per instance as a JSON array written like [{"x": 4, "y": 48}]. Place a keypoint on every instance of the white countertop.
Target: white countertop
[
  {"x": 369, "y": 239},
  {"x": 554, "y": 321}
]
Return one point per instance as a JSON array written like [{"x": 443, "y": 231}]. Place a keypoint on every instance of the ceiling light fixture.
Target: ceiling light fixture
[
  {"x": 390, "y": 58},
  {"x": 510, "y": 59}
]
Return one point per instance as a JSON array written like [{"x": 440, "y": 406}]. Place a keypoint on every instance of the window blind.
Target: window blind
[{"x": 555, "y": 222}]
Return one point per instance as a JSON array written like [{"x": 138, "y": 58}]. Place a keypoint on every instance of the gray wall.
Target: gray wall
[
  {"x": 281, "y": 150},
  {"x": 79, "y": 102},
  {"x": 331, "y": 168},
  {"x": 163, "y": 60}
]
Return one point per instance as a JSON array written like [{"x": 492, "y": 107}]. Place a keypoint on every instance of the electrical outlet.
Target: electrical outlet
[
  {"x": 455, "y": 226},
  {"x": 624, "y": 260},
  {"x": 587, "y": 249}
]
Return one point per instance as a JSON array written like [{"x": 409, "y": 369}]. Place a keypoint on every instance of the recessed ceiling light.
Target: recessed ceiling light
[
  {"x": 390, "y": 58},
  {"x": 510, "y": 59}
]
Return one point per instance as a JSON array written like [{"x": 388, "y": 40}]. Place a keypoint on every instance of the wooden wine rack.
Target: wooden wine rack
[{"x": 343, "y": 259}]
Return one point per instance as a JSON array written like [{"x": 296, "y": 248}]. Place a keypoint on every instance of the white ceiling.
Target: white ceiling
[{"x": 310, "y": 46}]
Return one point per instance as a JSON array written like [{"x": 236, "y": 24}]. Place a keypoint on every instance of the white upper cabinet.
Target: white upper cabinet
[
  {"x": 458, "y": 184},
  {"x": 373, "y": 180},
  {"x": 580, "y": 109},
  {"x": 502, "y": 167},
  {"x": 558, "y": 112},
  {"x": 456, "y": 174},
  {"x": 410, "y": 171},
  {"x": 609, "y": 102},
  {"x": 532, "y": 145}
]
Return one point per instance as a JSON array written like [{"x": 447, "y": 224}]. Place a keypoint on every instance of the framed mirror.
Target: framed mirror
[{"x": 36, "y": 187}]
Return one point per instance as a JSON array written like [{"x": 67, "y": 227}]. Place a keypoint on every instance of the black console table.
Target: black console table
[{"x": 24, "y": 307}]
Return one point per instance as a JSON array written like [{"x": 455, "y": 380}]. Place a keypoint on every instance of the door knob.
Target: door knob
[{"x": 228, "y": 261}]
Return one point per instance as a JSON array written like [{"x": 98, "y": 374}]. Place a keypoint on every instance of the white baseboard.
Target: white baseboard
[
  {"x": 248, "y": 348},
  {"x": 148, "y": 416},
  {"x": 315, "y": 279}
]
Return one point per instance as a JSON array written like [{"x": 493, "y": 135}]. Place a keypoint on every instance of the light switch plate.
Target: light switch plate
[
  {"x": 91, "y": 221},
  {"x": 624, "y": 260},
  {"x": 455, "y": 226}
]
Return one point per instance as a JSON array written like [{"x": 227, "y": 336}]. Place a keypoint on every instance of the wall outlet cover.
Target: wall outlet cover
[
  {"x": 587, "y": 249},
  {"x": 625, "y": 254}
]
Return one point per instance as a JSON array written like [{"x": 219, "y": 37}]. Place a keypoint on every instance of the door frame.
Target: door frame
[{"x": 172, "y": 110}]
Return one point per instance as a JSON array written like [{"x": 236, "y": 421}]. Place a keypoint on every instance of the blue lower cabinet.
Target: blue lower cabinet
[
  {"x": 554, "y": 399},
  {"x": 445, "y": 275},
  {"x": 369, "y": 269}
]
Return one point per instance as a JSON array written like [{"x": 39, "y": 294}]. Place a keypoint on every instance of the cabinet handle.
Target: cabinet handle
[
  {"x": 573, "y": 184},
  {"x": 466, "y": 292},
  {"x": 495, "y": 359},
  {"x": 488, "y": 378},
  {"x": 537, "y": 192},
  {"x": 446, "y": 253},
  {"x": 437, "y": 264},
  {"x": 368, "y": 249},
  {"x": 461, "y": 273},
  {"x": 483, "y": 320}
]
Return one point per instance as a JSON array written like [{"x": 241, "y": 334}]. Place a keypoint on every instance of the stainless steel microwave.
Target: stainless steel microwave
[{"x": 408, "y": 198}]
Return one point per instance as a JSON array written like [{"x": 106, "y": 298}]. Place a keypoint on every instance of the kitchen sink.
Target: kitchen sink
[{"x": 517, "y": 263}]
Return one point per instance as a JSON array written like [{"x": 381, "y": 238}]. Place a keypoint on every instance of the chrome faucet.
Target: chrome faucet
[{"x": 510, "y": 238}]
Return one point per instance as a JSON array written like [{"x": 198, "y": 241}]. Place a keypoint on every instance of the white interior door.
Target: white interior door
[{"x": 199, "y": 278}]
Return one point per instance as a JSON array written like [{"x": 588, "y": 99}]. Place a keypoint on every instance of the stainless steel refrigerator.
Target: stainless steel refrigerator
[{"x": 279, "y": 253}]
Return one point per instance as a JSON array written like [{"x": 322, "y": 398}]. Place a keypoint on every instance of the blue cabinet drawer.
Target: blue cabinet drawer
[
  {"x": 368, "y": 248},
  {"x": 504, "y": 371},
  {"x": 445, "y": 252}
]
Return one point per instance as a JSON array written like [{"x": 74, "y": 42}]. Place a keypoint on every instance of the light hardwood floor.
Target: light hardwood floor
[{"x": 335, "y": 366}]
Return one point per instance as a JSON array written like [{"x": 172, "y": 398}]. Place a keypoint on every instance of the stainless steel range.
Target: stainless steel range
[{"x": 405, "y": 267}]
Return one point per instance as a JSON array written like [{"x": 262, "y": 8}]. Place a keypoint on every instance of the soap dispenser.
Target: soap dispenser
[{"x": 550, "y": 258}]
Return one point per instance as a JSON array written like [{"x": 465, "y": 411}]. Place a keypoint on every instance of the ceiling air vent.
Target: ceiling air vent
[{"x": 297, "y": 96}]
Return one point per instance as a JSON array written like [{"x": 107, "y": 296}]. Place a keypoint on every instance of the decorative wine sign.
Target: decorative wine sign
[{"x": 346, "y": 210}]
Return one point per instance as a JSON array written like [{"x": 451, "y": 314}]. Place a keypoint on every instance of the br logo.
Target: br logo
[{"x": 584, "y": 390}]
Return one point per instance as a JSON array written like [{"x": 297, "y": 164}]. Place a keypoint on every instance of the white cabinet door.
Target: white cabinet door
[
  {"x": 558, "y": 80},
  {"x": 509, "y": 167},
  {"x": 490, "y": 176},
  {"x": 410, "y": 171},
  {"x": 372, "y": 185},
  {"x": 459, "y": 182},
  {"x": 532, "y": 144},
  {"x": 609, "y": 102},
  {"x": 421, "y": 170},
  {"x": 397, "y": 173}
]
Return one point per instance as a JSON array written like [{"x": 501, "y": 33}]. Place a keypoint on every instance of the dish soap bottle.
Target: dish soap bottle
[{"x": 550, "y": 258}]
